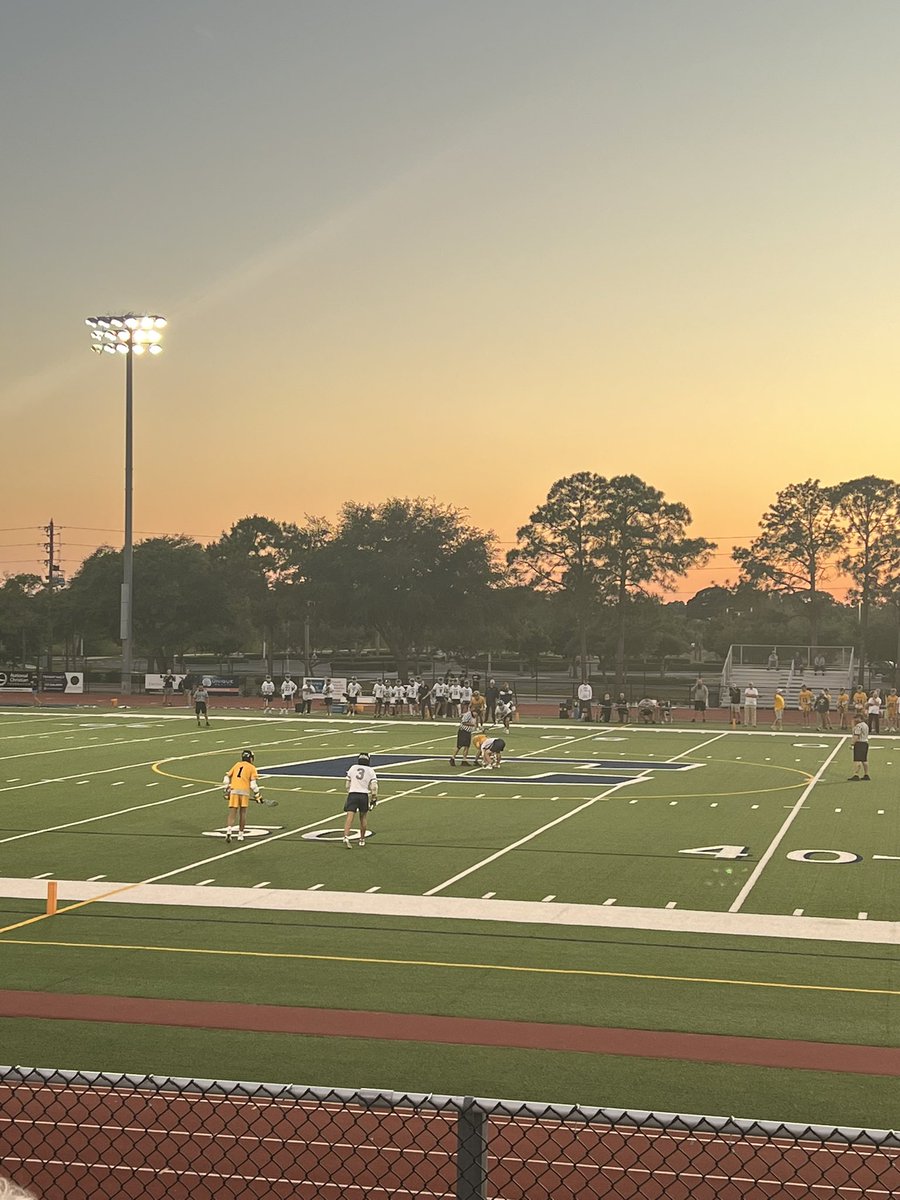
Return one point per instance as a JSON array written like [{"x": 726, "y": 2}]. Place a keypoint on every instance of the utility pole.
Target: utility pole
[{"x": 51, "y": 546}]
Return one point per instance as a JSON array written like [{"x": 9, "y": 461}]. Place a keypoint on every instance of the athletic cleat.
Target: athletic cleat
[
  {"x": 240, "y": 836},
  {"x": 853, "y": 779},
  {"x": 362, "y": 843},
  {"x": 347, "y": 843},
  {"x": 866, "y": 778},
  {"x": 452, "y": 762},
  {"x": 228, "y": 836}
]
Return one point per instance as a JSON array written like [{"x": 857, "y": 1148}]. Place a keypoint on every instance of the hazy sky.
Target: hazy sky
[{"x": 455, "y": 249}]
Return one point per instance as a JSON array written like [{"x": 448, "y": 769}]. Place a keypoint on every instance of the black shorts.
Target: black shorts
[
  {"x": 357, "y": 802},
  {"x": 200, "y": 708},
  {"x": 463, "y": 739},
  {"x": 861, "y": 752},
  {"x": 497, "y": 747},
  {"x": 699, "y": 706}
]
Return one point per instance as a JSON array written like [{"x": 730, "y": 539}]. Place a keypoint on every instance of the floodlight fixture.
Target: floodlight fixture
[{"x": 128, "y": 334}]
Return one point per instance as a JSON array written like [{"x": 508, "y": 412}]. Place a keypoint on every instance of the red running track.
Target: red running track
[{"x": 81, "y": 1143}]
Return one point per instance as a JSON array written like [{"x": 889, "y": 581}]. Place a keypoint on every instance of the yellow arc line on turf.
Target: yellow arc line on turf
[
  {"x": 412, "y": 962},
  {"x": 786, "y": 787}
]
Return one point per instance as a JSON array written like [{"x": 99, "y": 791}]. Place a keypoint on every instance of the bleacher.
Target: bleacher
[{"x": 747, "y": 664}]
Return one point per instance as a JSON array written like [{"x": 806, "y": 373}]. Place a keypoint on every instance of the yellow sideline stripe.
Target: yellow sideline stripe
[
  {"x": 411, "y": 962},
  {"x": 44, "y": 916}
]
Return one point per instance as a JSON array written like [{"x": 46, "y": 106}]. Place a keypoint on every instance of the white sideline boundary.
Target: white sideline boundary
[{"x": 524, "y": 912}]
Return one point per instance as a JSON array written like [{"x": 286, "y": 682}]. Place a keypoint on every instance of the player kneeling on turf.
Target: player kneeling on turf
[
  {"x": 490, "y": 750},
  {"x": 362, "y": 794}
]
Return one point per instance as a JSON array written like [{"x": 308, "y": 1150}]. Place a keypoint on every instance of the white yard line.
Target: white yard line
[
  {"x": 559, "y": 820},
  {"x": 779, "y": 836},
  {"x": 134, "y": 808},
  {"x": 151, "y": 761},
  {"x": 548, "y": 912},
  {"x": 161, "y": 737}
]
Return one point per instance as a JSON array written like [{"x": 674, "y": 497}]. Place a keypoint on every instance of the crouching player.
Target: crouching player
[
  {"x": 240, "y": 784},
  {"x": 362, "y": 794},
  {"x": 489, "y": 750}
]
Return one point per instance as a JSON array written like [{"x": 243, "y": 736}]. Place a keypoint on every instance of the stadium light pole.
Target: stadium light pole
[{"x": 128, "y": 335}]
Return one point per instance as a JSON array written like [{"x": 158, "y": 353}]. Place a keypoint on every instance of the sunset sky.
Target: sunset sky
[{"x": 456, "y": 248}]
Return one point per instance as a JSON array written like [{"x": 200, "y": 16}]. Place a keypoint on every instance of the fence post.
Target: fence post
[{"x": 471, "y": 1152}]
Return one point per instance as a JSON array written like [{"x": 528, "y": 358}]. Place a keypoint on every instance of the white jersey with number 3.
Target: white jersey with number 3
[{"x": 362, "y": 779}]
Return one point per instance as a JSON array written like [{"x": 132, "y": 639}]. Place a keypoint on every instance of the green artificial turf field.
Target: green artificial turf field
[{"x": 731, "y": 883}]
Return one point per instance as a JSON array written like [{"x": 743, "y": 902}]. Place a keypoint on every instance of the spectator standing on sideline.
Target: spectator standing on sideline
[
  {"x": 201, "y": 704},
  {"x": 288, "y": 691},
  {"x": 362, "y": 795},
  {"x": 873, "y": 711},
  {"x": 267, "y": 688},
  {"x": 307, "y": 691},
  {"x": 860, "y": 751},
  {"x": 622, "y": 709},
  {"x": 734, "y": 704},
  {"x": 328, "y": 695},
  {"x": 426, "y": 712},
  {"x": 491, "y": 696},
  {"x": 778, "y": 706},
  {"x": 240, "y": 783},
  {"x": 187, "y": 690},
  {"x": 606, "y": 707},
  {"x": 751, "y": 699},
  {"x": 822, "y": 706},
  {"x": 35, "y": 691},
  {"x": 700, "y": 695},
  {"x": 585, "y": 696},
  {"x": 168, "y": 688}
]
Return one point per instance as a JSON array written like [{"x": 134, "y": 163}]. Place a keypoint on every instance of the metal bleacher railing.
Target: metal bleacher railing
[{"x": 77, "y": 1135}]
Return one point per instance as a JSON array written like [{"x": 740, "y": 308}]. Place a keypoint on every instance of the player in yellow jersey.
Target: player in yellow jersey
[
  {"x": 778, "y": 705},
  {"x": 240, "y": 784},
  {"x": 892, "y": 700}
]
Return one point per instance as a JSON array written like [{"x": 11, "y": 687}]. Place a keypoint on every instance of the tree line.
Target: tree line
[{"x": 588, "y": 576}]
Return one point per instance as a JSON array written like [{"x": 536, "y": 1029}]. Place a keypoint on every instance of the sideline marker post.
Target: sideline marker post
[{"x": 52, "y": 890}]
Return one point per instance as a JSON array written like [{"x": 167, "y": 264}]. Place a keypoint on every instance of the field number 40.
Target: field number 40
[{"x": 808, "y": 856}]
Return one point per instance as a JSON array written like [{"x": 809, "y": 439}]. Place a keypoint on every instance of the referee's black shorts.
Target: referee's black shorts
[{"x": 463, "y": 739}]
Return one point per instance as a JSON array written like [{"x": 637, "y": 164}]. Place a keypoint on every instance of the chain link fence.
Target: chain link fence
[{"x": 72, "y": 1135}]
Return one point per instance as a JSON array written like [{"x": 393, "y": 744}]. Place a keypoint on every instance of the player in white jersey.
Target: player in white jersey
[
  {"x": 465, "y": 697},
  {"x": 362, "y": 795},
  {"x": 288, "y": 691},
  {"x": 267, "y": 690},
  {"x": 354, "y": 691},
  {"x": 379, "y": 691}
]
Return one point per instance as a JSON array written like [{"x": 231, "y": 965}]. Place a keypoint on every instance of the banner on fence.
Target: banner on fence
[
  {"x": 16, "y": 681},
  {"x": 70, "y": 682}
]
